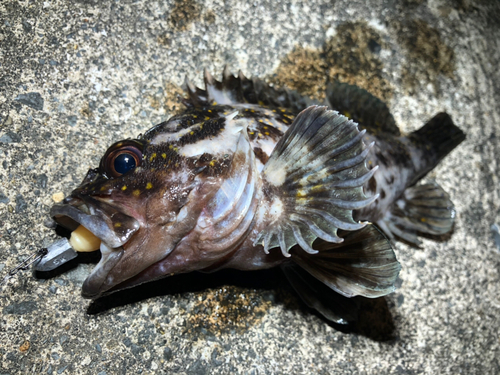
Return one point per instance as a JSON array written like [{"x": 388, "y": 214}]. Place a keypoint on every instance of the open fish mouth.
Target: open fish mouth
[
  {"x": 106, "y": 222},
  {"x": 112, "y": 227}
]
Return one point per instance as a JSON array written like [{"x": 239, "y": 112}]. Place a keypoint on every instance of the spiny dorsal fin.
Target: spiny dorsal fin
[
  {"x": 364, "y": 264},
  {"x": 238, "y": 90},
  {"x": 313, "y": 181},
  {"x": 358, "y": 104}
]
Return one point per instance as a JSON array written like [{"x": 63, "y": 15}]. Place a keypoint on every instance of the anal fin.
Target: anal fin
[
  {"x": 425, "y": 208},
  {"x": 364, "y": 264}
]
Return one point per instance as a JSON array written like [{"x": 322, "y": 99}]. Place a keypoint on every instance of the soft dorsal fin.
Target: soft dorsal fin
[
  {"x": 313, "y": 181},
  {"x": 358, "y": 104},
  {"x": 238, "y": 90}
]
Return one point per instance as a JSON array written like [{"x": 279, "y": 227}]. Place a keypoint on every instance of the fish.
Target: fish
[{"x": 249, "y": 176}]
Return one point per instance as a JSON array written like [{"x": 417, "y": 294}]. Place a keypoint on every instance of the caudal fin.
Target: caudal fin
[{"x": 437, "y": 138}]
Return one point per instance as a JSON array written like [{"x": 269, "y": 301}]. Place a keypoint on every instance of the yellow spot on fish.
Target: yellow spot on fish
[
  {"x": 266, "y": 133},
  {"x": 260, "y": 135},
  {"x": 191, "y": 133},
  {"x": 301, "y": 194},
  {"x": 207, "y": 118},
  {"x": 260, "y": 120},
  {"x": 252, "y": 133},
  {"x": 423, "y": 219},
  {"x": 285, "y": 121},
  {"x": 347, "y": 114},
  {"x": 136, "y": 193},
  {"x": 252, "y": 110},
  {"x": 265, "y": 127},
  {"x": 170, "y": 147},
  {"x": 209, "y": 111},
  {"x": 118, "y": 225},
  {"x": 212, "y": 163},
  {"x": 149, "y": 185},
  {"x": 164, "y": 156},
  {"x": 119, "y": 144},
  {"x": 124, "y": 187},
  {"x": 214, "y": 103},
  {"x": 194, "y": 116},
  {"x": 103, "y": 188},
  {"x": 152, "y": 157}
]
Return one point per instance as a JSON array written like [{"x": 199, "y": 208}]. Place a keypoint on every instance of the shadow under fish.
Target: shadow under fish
[{"x": 250, "y": 177}]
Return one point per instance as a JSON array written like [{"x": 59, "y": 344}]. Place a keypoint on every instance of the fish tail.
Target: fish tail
[{"x": 436, "y": 139}]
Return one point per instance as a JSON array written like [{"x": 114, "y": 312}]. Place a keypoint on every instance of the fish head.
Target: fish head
[{"x": 141, "y": 201}]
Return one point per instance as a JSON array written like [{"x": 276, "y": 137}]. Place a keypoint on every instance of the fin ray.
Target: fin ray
[
  {"x": 367, "y": 110},
  {"x": 363, "y": 264},
  {"x": 240, "y": 90},
  {"x": 300, "y": 177},
  {"x": 424, "y": 208},
  {"x": 333, "y": 306}
]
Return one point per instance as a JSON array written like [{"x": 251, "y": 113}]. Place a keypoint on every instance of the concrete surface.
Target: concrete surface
[{"x": 77, "y": 76}]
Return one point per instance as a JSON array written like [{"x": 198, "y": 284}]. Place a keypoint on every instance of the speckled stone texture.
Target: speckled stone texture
[{"x": 75, "y": 76}]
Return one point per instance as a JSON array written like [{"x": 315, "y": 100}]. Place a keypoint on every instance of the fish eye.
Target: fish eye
[{"x": 122, "y": 160}]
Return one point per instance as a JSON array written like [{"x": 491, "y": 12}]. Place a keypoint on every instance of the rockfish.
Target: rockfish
[{"x": 251, "y": 177}]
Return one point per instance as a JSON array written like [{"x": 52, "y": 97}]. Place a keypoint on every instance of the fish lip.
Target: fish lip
[
  {"x": 94, "y": 285},
  {"x": 102, "y": 219}
]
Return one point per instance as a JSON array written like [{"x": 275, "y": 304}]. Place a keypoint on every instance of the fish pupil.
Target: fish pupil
[{"x": 124, "y": 163}]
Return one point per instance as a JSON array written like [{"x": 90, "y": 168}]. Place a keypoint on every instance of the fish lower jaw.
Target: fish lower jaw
[{"x": 99, "y": 282}]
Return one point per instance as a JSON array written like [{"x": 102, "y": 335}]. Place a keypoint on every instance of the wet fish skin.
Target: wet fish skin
[{"x": 240, "y": 173}]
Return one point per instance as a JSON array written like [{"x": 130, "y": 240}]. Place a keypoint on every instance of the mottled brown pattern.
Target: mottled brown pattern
[{"x": 261, "y": 155}]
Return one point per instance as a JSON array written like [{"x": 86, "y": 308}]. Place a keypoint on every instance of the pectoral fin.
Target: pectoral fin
[{"x": 313, "y": 181}]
